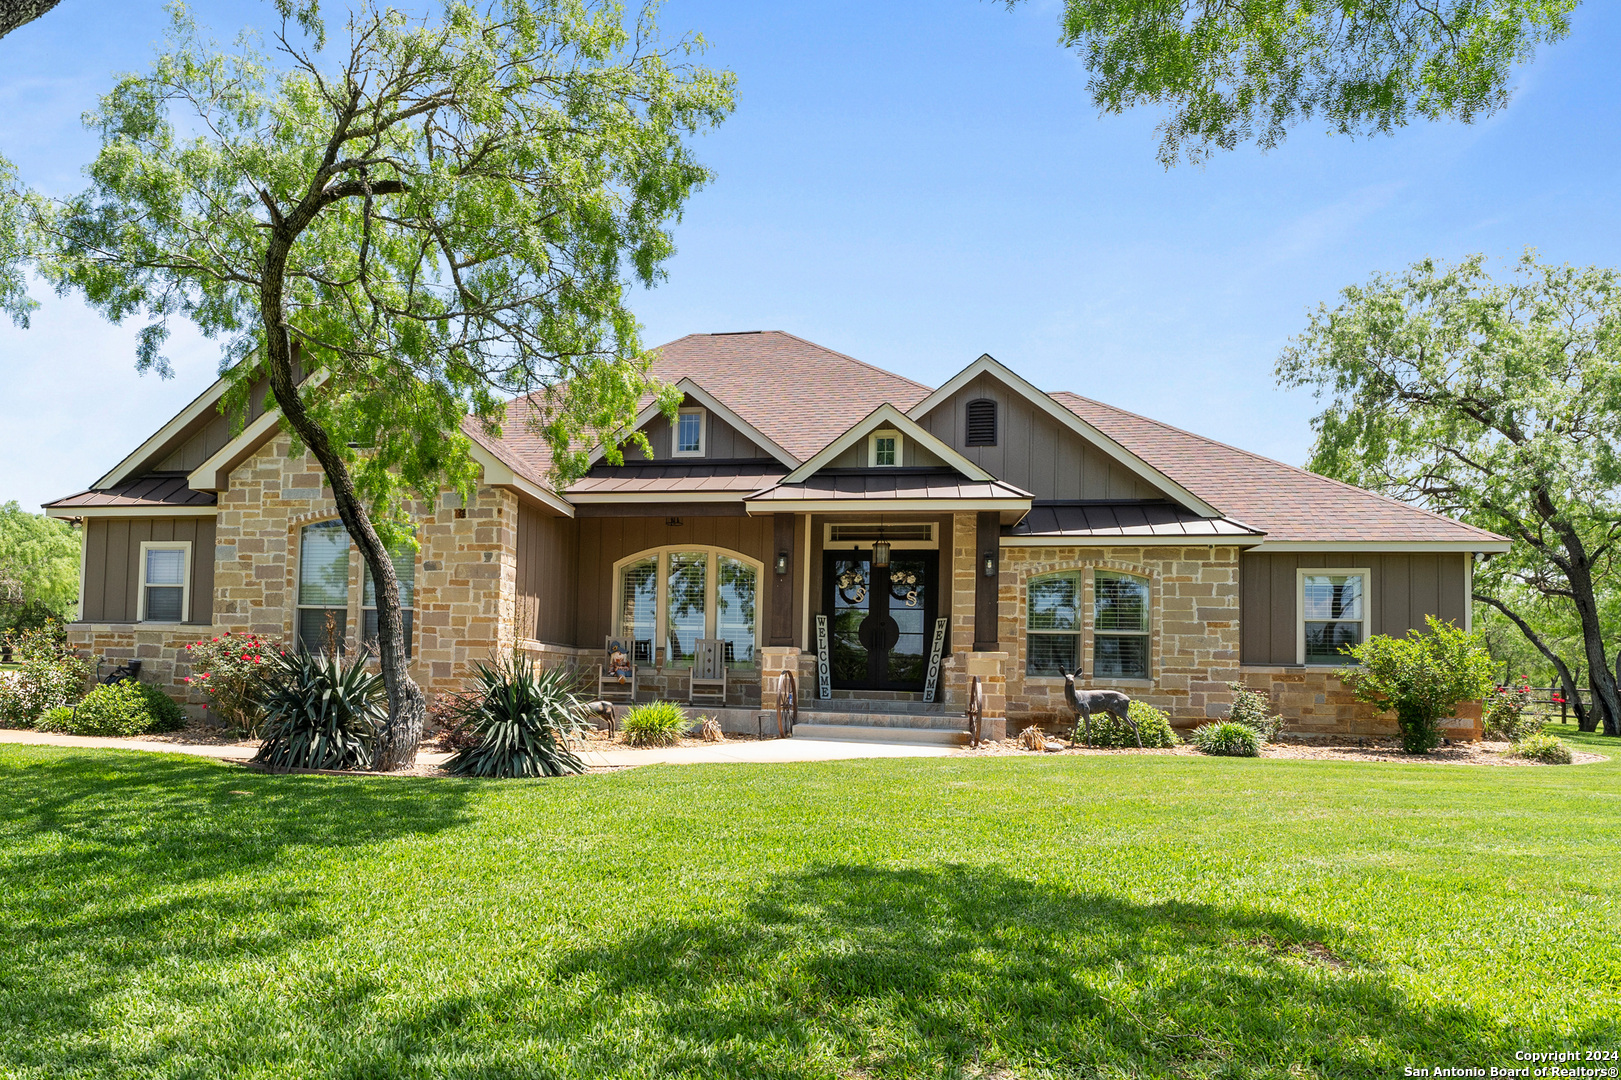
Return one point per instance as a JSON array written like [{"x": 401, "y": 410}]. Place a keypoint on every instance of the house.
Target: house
[{"x": 802, "y": 497}]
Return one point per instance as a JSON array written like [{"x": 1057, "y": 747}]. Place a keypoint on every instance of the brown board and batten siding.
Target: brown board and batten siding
[
  {"x": 112, "y": 565},
  {"x": 547, "y": 549},
  {"x": 1033, "y": 451},
  {"x": 1406, "y": 587},
  {"x": 722, "y": 441},
  {"x": 605, "y": 540}
]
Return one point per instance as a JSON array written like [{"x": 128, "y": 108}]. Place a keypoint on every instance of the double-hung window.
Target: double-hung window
[
  {"x": 165, "y": 586},
  {"x": 1333, "y": 606},
  {"x": 1119, "y": 626},
  {"x": 1053, "y": 623},
  {"x": 323, "y": 586}
]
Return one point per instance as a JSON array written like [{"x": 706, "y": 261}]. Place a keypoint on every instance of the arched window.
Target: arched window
[
  {"x": 667, "y": 599},
  {"x": 1119, "y": 626},
  {"x": 981, "y": 426}
]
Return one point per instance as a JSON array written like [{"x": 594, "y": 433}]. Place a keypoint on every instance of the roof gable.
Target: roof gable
[
  {"x": 886, "y": 416},
  {"x": 690, "y": 388},
  {"x": 1155, "y": 477}
]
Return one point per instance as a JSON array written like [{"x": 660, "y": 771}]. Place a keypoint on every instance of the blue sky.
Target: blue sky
[{"x": 915, "y": 184}]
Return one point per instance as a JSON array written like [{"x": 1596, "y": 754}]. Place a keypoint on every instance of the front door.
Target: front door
[{"x": 879, "y": 618}]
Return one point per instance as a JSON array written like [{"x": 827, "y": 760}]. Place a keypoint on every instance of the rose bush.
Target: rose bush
[{"x": 230, "y": 671}]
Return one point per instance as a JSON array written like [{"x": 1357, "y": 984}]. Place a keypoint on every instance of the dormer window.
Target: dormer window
[
  {"x": 689, "y": 433},
  {"x": 884, "y": 448},
  {"x": 981, "y": 427}
]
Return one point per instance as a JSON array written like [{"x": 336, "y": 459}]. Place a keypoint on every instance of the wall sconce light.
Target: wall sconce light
[
  {"x": 782, "y": 562},
  {"x": 672, "y": 521},
  {"x": 987, "y": 564}
]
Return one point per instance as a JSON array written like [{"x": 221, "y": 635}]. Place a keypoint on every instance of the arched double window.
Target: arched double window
[{"x": 669, "y": 598}]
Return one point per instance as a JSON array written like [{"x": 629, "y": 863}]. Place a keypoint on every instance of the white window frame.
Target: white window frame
[
  {"x": 185, "y": 577},
  {"x": 703, "y": 432},
  {"x": 1303, "y": 572},
  {"x": 872, "y": 447},
  {"x": 1079, "y": 633},
  {"x": 1094, "y": 632},
  {"x": 711, "y": 585},
  {"x": 832, "y": 543}
]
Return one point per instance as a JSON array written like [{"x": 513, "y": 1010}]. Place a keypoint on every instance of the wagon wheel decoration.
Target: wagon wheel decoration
[
  {"x": 976, "y": 711},
  {"x": 787, "y": 704}
]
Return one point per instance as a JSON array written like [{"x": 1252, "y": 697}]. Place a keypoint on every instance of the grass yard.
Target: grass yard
[{"x": 997, "y": 917}]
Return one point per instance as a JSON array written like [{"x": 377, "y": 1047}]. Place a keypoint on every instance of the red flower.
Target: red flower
[{"x": 1559, "y": 699}]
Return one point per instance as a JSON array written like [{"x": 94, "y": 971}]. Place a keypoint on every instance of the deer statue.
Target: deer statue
[{"x": 1087, "y": 702}]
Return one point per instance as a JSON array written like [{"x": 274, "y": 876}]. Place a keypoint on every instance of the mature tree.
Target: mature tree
[
  {"x": 1498, "y": 403},
  {"x": 39, "y": 568},
  {"x": 1235, "y": 70},
  {"x": 14, "y": 199},
  {"x": 14, "y": 13},
  {"x": 448, "y": 212}
]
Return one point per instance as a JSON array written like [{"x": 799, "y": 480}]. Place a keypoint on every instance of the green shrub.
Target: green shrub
[
  {"x": 319, "y": 713},
  {"x": 1423, "y": 677},
  {"x": 164, "y": 712},
  {"x": 49, "y": 674},
  {"x": 1154, "y": 724},
  {"x": 229, "y": 670},
  {"x": 1227, "y": 738},
  {"x": 112, "y": 711},
  {"x": 518, "y": 721},
  {"x": 658, "y": 723},
  {"x": 1544, "y": 748},
  {"x": 1506, "y": 715},
  {"x": 1253, "y": 709}
]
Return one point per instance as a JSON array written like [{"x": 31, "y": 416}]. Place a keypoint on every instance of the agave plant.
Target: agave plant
[
  {"x": 521, "y": 718},
  {"x": 321, "y": 713}
]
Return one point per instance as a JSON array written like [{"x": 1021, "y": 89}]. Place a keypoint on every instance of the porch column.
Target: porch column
[
  {"x": 774, "y": 660},
  {"x": 987, "y": 541},
  {"x": 991, "y": 667},
  {"x": 781, "y": 630}
]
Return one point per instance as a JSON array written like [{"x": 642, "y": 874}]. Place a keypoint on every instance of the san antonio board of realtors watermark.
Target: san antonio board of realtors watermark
[{"x": 1532, "y": 1064}]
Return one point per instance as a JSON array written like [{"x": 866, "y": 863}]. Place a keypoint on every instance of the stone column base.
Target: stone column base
[
  {"x": 991, "y": 668},
  {"x": 774, "y": 660}
]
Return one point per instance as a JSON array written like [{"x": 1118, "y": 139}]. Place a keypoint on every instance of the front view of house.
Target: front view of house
[{"x": 803, "y": 505}]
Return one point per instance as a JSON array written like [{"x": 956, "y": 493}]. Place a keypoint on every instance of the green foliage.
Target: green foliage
[
  {"x": 229, "y": 670},
  {"x": 1506, "y": 714},
  {"x": 657, "y": 723},
  {"x": 1253, "y": 709},
  {"x": 446, "y": 211},
  {"x": 18, "y": 209},
  {"x": 1251, "y": 69},
  {"x": 39, "y": 565},
  {"x": 321, "y": 713},
  {"x": 1227, "y": 738},
  {"x": 1547, "y": 749},
  {"x": 1154, "y": 724},
  {"x": 49, "y": 674},
  {"x": 164, "y": 713},
  {"x": 1422, "y": 677},
  {"x": 1498, "y": 403},
  {"x": 518, "y": 719},
  {"x": 113, "y": 711},
  {"x": 57, "y": 718}
]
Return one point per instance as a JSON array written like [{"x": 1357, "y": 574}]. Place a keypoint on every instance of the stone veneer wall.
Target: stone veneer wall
[
  {"x": 1193, "y": 628},
  {"x": 466, "y": 576},
  {"x": 1314, "y": 702}
]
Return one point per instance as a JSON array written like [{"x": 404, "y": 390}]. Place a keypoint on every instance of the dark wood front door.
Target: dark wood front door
[{"x": 879, "y": 618}]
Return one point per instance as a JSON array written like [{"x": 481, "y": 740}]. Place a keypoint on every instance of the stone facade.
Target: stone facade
[
  {"x": 1193, "y": 628},
  {"x": 1314, "y": 702}
]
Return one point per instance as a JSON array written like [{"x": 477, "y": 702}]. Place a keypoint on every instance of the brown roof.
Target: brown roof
[
  {"x": 798, "y": 394},
  {"x": 682, "y": 477},
  {"x": 1288, "y": 504},
  {"x": 891, "y": 484},
  {"x": 152, "y": 490},
  {"x": 1125, "y": 519}
]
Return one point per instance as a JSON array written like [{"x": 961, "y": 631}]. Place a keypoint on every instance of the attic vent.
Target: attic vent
[{"x": 981, "y": 423}]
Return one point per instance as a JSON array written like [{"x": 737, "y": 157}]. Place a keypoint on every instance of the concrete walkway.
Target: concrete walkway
[{"x": 770, "y": 750}]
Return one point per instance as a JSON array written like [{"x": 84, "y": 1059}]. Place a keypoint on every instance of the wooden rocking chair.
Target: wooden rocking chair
[
  {"x": 708, "y": 671},
  {"x": 617, "y": 676}
]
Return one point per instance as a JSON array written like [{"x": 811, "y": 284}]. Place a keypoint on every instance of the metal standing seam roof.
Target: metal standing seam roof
[
  {"x": 154, "y": 490},
  {"x": 1157, "y": 519},
  {"x": 679, "y": 478},
  {"x": 881, "y": 484}
]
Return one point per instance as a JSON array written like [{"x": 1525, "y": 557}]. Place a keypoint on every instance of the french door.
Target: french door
[{"x": 879, "y": 618}]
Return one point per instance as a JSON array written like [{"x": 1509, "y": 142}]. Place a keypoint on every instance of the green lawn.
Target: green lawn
[{"x": 1006, "y": 917}]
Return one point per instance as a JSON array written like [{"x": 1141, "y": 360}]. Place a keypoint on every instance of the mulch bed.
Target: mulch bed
[{"x": 1369, "y": 749}]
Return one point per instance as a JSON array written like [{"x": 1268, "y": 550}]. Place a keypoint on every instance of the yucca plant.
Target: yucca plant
[
  {"x": 521, "y": 718},
  {"x": 657, "y": 723},
  {"x": 321, "y": 713}
]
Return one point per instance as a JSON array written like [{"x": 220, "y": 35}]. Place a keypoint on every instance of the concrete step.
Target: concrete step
[
  {"x": 873, "y": 707},
  {"x": 914, "y": 721},
  {"x": 868, "y": 733}
]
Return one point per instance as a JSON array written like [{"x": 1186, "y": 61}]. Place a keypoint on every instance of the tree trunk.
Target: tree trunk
[
  {"x": 15, "y": 13},
  {"x": 1606, "y": 701},
  {"x": 1566, "y": 680},
  {"x": 407, "y": 706}
]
